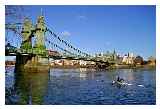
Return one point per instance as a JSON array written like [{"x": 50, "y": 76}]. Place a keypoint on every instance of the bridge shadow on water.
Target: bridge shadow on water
[{"x": 29, "y": 86}]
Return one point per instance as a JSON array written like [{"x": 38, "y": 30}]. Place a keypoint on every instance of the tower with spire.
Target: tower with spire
[{"x": 40, "y": 30}]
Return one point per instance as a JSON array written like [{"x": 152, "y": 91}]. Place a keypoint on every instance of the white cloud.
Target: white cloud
[
  {"x": 82, "y": 17},
  {"x": 65, "y": 33}
]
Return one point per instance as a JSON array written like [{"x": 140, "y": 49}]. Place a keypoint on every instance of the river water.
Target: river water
[{"x": 80, "y": 86}]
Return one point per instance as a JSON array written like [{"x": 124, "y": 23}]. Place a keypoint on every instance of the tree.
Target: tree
[
  {"x": 151, "y": 60},
  {"x": 138, "y": 60},
  {"x": 14, "y": 14}
]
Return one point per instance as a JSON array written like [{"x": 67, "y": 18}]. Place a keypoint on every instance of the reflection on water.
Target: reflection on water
[
  {"x": 79, "y": 86},
  {"x": 29, "y": 85}
]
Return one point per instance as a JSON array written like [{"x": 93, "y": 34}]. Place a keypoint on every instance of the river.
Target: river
[{"x": 80, "y": 86}]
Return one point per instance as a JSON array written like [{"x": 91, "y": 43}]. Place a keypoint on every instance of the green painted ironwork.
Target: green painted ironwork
[
  {"x": 39, "y": 49},
  {"x": 40, "y": 30},
  {"x": 27, "y": 32}
]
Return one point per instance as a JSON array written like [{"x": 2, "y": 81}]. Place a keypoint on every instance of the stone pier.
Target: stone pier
[{"x": 32, "y": 62}]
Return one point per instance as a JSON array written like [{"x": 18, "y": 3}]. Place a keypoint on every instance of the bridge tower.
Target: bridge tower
[
  {"x": 27, "y": 33},
  {"x": 40, "y": 30},
  {"x": 40, "y": 48},
  {"x": 38, "y": 55}
]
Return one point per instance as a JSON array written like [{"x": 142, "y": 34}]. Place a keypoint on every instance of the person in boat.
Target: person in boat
[{"x": 120, "y": 79}]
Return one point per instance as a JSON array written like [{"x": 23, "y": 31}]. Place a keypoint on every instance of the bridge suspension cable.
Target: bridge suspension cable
[
  {"x": 67, "y": 44},
  {"x": 17, "y": 28},
  {"x": 13, "y": 29},
  {"x": 59, "y": 47}
]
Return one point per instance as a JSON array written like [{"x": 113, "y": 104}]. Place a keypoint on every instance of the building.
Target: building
[
  {"x": 57, "y": 63},
  {"x": 119, "y": 60},
  {"x": 128, "y": 59},
  {"x": 68, "y": 62},
  {"x": 53, "y": 53},
  {"x": 108, "y": 56},
  {"x": 82, "y": 63}
]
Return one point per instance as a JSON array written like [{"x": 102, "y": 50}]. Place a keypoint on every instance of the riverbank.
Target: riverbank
[
  {"x": 94, "y": 67},
  {"x": 108, "y": 68},
  {"x": 132, "y": 67},
  {"x": 9, "y": 65}
]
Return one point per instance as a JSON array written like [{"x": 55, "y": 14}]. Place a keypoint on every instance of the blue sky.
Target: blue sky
[{"x": 103, "y": 28}]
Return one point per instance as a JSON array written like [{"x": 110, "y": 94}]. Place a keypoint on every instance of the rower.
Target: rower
[{"x": 120, "y": 79}]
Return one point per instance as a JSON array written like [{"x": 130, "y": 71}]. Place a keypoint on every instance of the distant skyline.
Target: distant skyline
[{"x": 103, "y": 28}]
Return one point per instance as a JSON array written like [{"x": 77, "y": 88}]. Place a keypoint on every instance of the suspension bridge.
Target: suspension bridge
[{"x": 47, "y": 44}]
